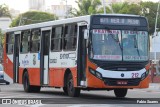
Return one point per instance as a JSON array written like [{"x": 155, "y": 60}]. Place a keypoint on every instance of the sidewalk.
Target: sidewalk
[{"x": 154, "y": 86}]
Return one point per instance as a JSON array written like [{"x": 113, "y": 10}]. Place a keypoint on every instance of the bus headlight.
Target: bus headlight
[
  {"x": 144, "y": 75},
  {"x": 95, "y": 73}
]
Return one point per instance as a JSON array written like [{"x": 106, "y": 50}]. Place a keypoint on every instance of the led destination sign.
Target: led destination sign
[{"x": 120, "y": 21}]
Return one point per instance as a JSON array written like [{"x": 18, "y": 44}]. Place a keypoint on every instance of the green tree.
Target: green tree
[
  {"x": 86, "y": 7},
  {"x": 1, "y": 40},
  {"x": 4, "y": 11},
  {"x": 149, "y": 10},
  {"x": 31, "y": 17}
]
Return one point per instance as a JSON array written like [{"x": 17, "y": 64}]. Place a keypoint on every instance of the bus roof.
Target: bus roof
[{"x": 64, "y": 21}]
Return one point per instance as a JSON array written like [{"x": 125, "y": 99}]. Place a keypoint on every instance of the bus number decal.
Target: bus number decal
[
  {"x": 135, "y": 75},
  {"x": 53, "y": 60},
  {"x": 64, "y": 56}
]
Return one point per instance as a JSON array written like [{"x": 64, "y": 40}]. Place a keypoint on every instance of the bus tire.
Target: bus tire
[
  {"x": 120, "y": 92},
  {"x": 7, "y": 83},
  {"x": 72, "y": 91},
  {"x": 26, "y": 84}
]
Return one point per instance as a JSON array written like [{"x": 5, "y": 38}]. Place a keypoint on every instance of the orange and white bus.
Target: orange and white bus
[{"x": 94, "y": 52}]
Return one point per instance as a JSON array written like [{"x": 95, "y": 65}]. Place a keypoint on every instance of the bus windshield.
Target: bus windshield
[
  {"x": 135, "y": 45},
  {"x": 118, "y": 45}
]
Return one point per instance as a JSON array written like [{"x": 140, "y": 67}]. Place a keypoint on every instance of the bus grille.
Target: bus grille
[{"x": 130, "y": 82}]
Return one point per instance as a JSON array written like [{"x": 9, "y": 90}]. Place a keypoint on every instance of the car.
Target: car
[{"x": 2, "y": 80}]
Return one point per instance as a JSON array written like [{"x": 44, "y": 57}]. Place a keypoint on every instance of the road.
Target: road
[{"x": 55, "y": 97}]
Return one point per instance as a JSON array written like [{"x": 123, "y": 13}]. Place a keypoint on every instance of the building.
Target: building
[
  {"x": 113, "y": 1},
  {"x": 132, "y": 1},
  {"x": 4, "y": 23},
  {"x": 118, "y": 1},
  {"x": 37, "y": 5},
  {"x": 14, "y": 13},
  {"x": 60, "y": 10}
]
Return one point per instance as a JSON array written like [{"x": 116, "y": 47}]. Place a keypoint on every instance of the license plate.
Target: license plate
[{"x": 122, "y": 82}]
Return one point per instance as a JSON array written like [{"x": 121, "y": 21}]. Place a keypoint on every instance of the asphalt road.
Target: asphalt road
[{"x": 49, "y": 97}]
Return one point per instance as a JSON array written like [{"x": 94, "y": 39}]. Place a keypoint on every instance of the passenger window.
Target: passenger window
[
  {"x": 9, "y": 43},
  {"x": 25, "y": 41},
  {"x": 70, "y": 37},
  {"x": 35, "y": 40},
  {"x": 56, "y": 39}
]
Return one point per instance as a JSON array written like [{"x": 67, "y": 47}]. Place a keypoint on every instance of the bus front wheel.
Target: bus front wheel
[
  {"x": 72, "y": 91},
  {"x": 121, "y": 92}
]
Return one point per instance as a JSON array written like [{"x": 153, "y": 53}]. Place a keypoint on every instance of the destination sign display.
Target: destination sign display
[{"x": 119, "y": 21}]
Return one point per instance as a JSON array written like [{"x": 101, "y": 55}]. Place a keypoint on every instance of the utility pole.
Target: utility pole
[
  {"x": 155, "y": 32},
  {"x": 66, "y": 9}
]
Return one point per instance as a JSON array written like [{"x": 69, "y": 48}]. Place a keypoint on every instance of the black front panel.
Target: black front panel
[
  {"x": 120, "y": 65},
  {"x": 122, "y": 82}
]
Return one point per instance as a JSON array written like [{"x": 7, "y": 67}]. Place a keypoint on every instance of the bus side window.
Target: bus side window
[
  {"x": 70, "y": 37},
  {"x": 25, "y": 42},
  {"x": 56, "y": 39},
  {"x": 35, "y": 40},
  {"x": 9, "y": 43}
]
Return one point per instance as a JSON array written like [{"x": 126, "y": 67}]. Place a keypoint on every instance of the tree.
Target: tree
[
  {"x": 31, "y": 17},
  {"x": 1, "y": 43},
  {"x": 150, "y": 11},
  {"x": 4, "y": 11},
  {"x": 86, "y": 7},
  {"x": 147, "y": 9}
]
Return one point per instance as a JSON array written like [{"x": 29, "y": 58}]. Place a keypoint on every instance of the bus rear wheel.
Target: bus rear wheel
[
  {"x": 72, "y": 91},
  {"x": 120, "y": 92},
  {"x": 26, "y": 84}
]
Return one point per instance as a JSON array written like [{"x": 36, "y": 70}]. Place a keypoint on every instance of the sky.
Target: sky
[{"x": 22, "y": 5}]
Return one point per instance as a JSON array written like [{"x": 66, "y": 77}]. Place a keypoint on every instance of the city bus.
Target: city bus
[{"x": 93, "y": 52}]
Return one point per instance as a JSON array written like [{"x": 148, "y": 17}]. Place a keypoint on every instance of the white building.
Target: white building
[
  {"x": 38, "y": 5},
  {"x": 155, "y": 48},
  {"x": 14, "y": 13},
  {"x": 60, "y": 10},
  {"x": 5, "y": 22}
]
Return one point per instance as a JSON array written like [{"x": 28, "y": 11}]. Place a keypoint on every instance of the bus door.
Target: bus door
[
  {"x": 44, "y": 55},
  {"x": 16, "y": 57},
  {"x": 81, "y": 58}
]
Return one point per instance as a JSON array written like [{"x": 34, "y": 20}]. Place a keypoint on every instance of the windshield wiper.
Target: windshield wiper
[
  {"x": 117, "y": 41},
  {"x": 136, "y": 46}
]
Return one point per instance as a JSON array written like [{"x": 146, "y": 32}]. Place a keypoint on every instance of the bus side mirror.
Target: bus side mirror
[{"x": 86, "y": 35}]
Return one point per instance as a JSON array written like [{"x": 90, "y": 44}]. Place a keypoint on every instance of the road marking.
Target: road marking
[
  {"x": 94, "y": 105},
  {"x": 35, "y": 105},
  {"x": 147, "y": 91}
]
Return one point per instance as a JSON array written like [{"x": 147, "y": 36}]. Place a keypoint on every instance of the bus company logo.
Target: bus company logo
[
  {"x": 122, "y": 75},
  {"x": 25, "y": 61},
  {"x": 34, "y": 59}
]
